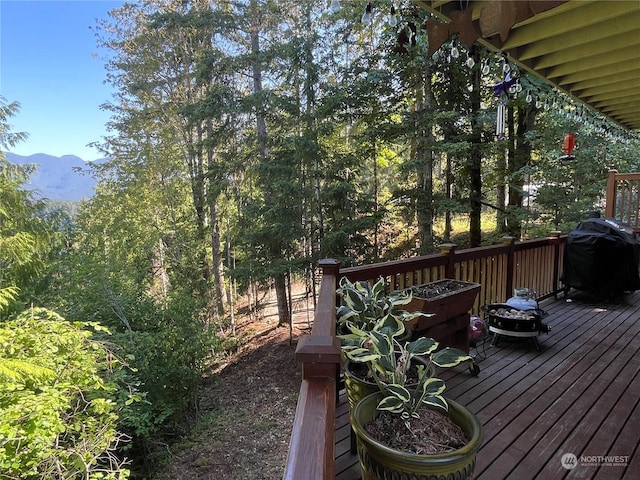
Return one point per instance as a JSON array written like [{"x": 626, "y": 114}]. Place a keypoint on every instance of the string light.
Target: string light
[
  {"x": 470, "y": 62},
  {"x": 367, "y": 16},
  {"x": 392, "y": 20}
]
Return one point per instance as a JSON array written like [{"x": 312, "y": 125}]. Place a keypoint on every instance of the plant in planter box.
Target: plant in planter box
[
  {"x": 362, "y": 306},
  {"x": 401, "y": 428}
]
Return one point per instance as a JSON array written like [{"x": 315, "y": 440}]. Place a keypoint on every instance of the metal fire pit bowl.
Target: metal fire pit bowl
[{"x": 507, "y": 321}]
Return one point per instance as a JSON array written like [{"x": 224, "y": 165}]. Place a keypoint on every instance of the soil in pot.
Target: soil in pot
[
  {"x": 435, "y": 289},
  {"x": 433, "y": 433}
]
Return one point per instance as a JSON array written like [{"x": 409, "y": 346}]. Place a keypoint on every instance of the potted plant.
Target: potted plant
[
  {"x": 395, "y": 426},
  {"x": 362, "y": 308}
]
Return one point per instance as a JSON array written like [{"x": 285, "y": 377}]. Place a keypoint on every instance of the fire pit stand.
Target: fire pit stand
[{"x": 507, "y": 321}]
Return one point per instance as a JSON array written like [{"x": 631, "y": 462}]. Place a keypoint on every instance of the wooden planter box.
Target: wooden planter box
[{"x": 450, "y": 321}]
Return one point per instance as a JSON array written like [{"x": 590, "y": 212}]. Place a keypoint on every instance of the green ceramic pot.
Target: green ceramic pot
[{"x": 378, "y": 461}]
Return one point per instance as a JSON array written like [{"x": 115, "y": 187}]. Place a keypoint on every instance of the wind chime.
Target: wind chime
[{"x": 501, "y": 91}]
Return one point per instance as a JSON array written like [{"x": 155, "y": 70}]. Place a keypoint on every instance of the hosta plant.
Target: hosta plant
[
  {"x": 389, "y": 361},
  {"x": 363, "y": 307}
]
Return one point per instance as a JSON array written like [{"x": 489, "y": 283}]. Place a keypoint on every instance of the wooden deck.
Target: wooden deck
[{"x": 580, "y": 395}]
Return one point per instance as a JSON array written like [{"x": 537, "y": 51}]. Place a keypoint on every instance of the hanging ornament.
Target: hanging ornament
[
  {"x": 406, "y": 38},
  {"x": 470, "y": 62},
  {"x": 568, "y": 145},
  {"x": 501, "y": 90},
  {"x": 501, "y": 117},
  {"x": 335, "y": 6},
  {"x": 529, "y": 97}
]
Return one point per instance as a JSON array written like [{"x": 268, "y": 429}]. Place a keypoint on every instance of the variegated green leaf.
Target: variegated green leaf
[
  {"x": 361, "y": 355},
  {"x": 433, "y": 386},
  {"x": 449, "y": 357},
  {"x": 382, "y": 342},
  {"x": 353, "y": 300},
  {"x": 390, "y": 326},
  {"x": 357, "y": 331},
  {"x": 378, "y": 288},
  {"x": 436, "y": 401},
  {"x": 399, "y": 391},
  {"x": 422, "y": 346},
  {"x": 344, "y": 313},
  {"x": 386, "y": 364},
  {"x": 400, "y": 299},
  {"x": 391, "y": 404}
]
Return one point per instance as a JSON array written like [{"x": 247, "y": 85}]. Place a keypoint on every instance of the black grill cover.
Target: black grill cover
[{"x": 602, "y": 254}]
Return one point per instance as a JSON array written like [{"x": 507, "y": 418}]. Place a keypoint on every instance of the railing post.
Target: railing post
[
  {"x": 610, "y": 203},
  {"x": 510, "y": 241},
  {"x": 449, "y": 249},
  {"x": 319, "y": 352},
  {"x": 555, "y": 234}
]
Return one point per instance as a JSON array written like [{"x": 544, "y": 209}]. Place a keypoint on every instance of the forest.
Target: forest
[{"x": 248, "y": 140}]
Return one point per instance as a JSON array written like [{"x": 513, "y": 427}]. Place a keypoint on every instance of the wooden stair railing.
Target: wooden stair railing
[{"x": 312, "y": 444}]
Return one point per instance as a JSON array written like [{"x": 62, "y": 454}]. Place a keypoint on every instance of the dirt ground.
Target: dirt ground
[{"x": 247, "y": 407}]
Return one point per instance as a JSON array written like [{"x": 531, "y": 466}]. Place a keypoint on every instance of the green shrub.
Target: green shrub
[{"x": 58, "y": 408}]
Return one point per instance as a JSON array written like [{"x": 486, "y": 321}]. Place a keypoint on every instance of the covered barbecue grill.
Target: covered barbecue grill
[{"x": 602, "y": 254}]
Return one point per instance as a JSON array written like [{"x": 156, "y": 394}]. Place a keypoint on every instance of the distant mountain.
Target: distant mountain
[{"x": 64, "y": 178}]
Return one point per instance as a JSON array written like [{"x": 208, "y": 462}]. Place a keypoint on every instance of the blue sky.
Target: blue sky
[{"x": 50, "y": 64}]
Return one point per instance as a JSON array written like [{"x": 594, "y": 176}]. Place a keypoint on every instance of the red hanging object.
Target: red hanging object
[{"x": 568, "y": 145}]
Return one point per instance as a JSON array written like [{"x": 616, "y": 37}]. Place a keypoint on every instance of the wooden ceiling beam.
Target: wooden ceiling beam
[
  {"x": 577, "y": 77},
  {"x": 568, "y": 18},
  {"x": 625, "y": 25},
  {"x": 594, "y": 82},
  {"x": 624, "y": 55},
  {"x": 588, "y": 49},
  {"x": 626, "y": 87}
]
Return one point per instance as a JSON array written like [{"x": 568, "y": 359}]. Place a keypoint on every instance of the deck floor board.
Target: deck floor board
[{"x": 580, "y": 394}]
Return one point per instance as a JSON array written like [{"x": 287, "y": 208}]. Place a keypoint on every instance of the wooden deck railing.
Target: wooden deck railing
[
  {"x": 535, "y": 264},
  {"x": 623, "y": 198},
  {"x": 311, "y": 448}
]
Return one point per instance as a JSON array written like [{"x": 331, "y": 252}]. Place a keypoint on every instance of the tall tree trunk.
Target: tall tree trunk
[
  {"x": 475, "y": 160},
  {"x": 280, "y": 283},
  {"x": 424, "y": 162},
  {"x": 521, "y": 158},
  {"x": 448, "y": 216},
  {"x": 501, "y": 192},
  {"x": 282, "y": 299}
]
